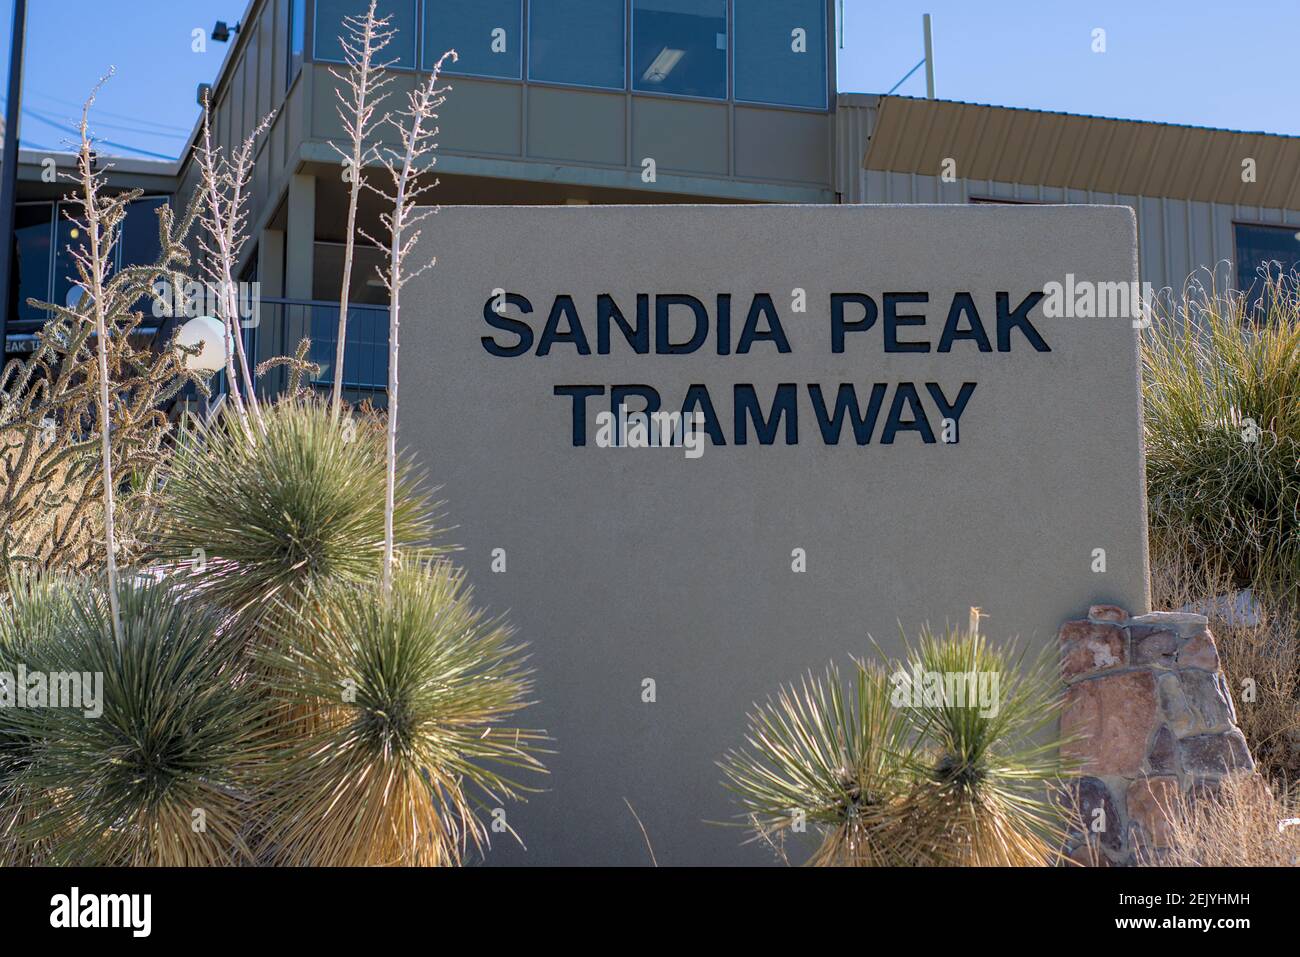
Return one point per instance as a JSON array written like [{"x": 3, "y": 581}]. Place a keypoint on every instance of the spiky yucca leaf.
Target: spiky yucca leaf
[
  {"x": 908, "y": 769},
  {"x": 983, "y": 795},
  {"x": 302, "y": 504},
  {"x": 833, "y": 759},
  {"x": 36, "y": 609},
  {"x": 401, "y": 739},
  {"x": 164, "y": 774}
]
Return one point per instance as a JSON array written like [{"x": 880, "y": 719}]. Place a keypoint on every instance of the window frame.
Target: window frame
[
  {"x": 49, "y": 260},
  {"x": 734, "y": 47},
  {"x": 310, "y": 40},
  {"x": 1236, "y": 246},
  {"x": 527, "y": 69},
  {"x": 422, "y": 67},
  {"x": 728, "y": 93}
]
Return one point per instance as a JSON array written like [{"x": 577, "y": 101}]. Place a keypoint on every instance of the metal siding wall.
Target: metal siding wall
[{"x": 1176, "y": 237}]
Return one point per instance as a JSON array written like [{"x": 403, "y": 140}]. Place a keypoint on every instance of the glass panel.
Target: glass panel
[
  {"x": 31, "y": 260},
  {"x": 680, "y": 46},
  {"x": 68, "y": 234},
  {"x": 781, "y": 52},
  {"x": 329, "y": 26},
  {"x": 580, "y": 42},
  {"x": 1264, "y": 247},
  {"x": 297, "y": 37},
  {"x": 486, "y": 35},
  {"x": 139, "y": 244}
]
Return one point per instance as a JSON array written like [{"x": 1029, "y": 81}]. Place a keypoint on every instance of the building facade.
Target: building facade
[{"x": 651, "y": 101}]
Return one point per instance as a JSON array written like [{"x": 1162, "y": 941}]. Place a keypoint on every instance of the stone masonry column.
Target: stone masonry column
[{"x": 1151, "y": 716}]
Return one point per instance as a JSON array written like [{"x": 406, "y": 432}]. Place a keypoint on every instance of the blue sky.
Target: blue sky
[{"x": 1175, "y": 61}]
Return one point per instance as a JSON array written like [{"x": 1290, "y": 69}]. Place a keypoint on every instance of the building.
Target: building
[{"x": 655, "y": 101}]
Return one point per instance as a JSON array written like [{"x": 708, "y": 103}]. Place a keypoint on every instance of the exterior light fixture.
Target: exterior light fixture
[
  {"x": 221, "y": 32},
  {"x": 210, "y": 336}
]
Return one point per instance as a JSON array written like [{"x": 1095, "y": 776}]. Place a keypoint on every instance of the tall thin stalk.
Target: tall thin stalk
[
  {"x": 225, "y": 183},
  {"x": 418, "y": 138},
  {"x": 101, "y": 219},
  {"x": 364, "y": 78}
]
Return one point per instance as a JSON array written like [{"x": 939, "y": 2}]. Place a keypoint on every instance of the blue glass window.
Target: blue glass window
[
  {"x": 1264, "y": 247},
  {"x": 486, "y": 34},
  {"x": 33, "y": 234},
  {"x": 781, "y": 52},
  {"x": 680, "y": 47},
  {"x": 579, "y": 42},
  {"x": 400, "y": 51},
  {"x": 297, "y": 37}
]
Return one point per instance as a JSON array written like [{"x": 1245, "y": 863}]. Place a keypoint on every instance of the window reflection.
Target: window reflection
[{"x": 680, "y": 46}]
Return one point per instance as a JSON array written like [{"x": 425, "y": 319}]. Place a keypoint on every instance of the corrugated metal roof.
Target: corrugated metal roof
[{"x": 1131, "y": 157}]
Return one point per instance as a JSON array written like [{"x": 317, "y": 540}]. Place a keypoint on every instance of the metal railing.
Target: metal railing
[{"x": 283, "y": 323}]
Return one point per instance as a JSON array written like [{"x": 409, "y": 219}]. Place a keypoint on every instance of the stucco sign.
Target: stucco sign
[{"x": 695, "y": 451}]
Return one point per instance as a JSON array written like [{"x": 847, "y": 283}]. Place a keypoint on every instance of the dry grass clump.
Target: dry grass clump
[
  {"x": 1244, "y": 824},
  {"x": 1261, "y": 659}
]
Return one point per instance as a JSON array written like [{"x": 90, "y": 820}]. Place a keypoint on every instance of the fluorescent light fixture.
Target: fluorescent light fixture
[{"x": 663, "y": 64}]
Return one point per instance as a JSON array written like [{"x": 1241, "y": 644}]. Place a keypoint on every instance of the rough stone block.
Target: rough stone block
[
  {"x": 1215, "y": 753},
  {"x": 1113, "y": 717},
  {"x": 1199, "y": 652},
  {"x": 1150, "y": 801},
  {"x": 1159, "y": 648},
  {"x": 1095, "y": 647},
  {"x": 1107, "y": 613},
  {"x": 1163, "y": 756},
  {"x": 1094, "y": 813},
  {"x": 1174, "y": 706},
  {"x": 1207, "y": 694},
  {"x": 1184, "y": 624}
]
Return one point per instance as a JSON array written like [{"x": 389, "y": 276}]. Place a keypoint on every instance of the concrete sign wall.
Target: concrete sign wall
[{"x": 893, "y": 422}]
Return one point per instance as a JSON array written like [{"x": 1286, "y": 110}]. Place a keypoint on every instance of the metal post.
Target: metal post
[
  {"x": 9, "y": 170},
  {"x": 929, "y": 57}
]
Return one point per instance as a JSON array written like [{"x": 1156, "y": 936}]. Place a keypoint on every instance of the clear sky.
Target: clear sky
[{"x": 1225, "y": 63}]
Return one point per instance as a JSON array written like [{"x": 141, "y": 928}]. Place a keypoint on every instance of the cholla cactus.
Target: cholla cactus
[{"x": 55, "y": 403}]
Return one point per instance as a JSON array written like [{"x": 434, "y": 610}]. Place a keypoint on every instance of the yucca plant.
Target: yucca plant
[
  {"x": 164, "y": 773},
  {"x": 915, "y": 767},
  {"x": 401, "y": 745},
  {"x": 989, "y": 762},
  {"x": 264, "y": 520},
  {"x": 832, "y": 759},
  {"x": 36, "y": 608},
  {"x": 1222, "y": 427}
]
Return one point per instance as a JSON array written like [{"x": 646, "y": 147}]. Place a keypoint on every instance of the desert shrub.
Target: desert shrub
[
  {"x": 1222, "y": 429},
  {"x": 1242, "y": 822},
  {"x": 35, "y": 609},
  {"x": 832, "y": 758},
  {"x": 1259, "y": 651},
  {"x": 400, "y": 741},
  {"x": 164, "y": 774},
  {"x": 901, "y": 769},
  {"x": 266, "y": 518}
]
